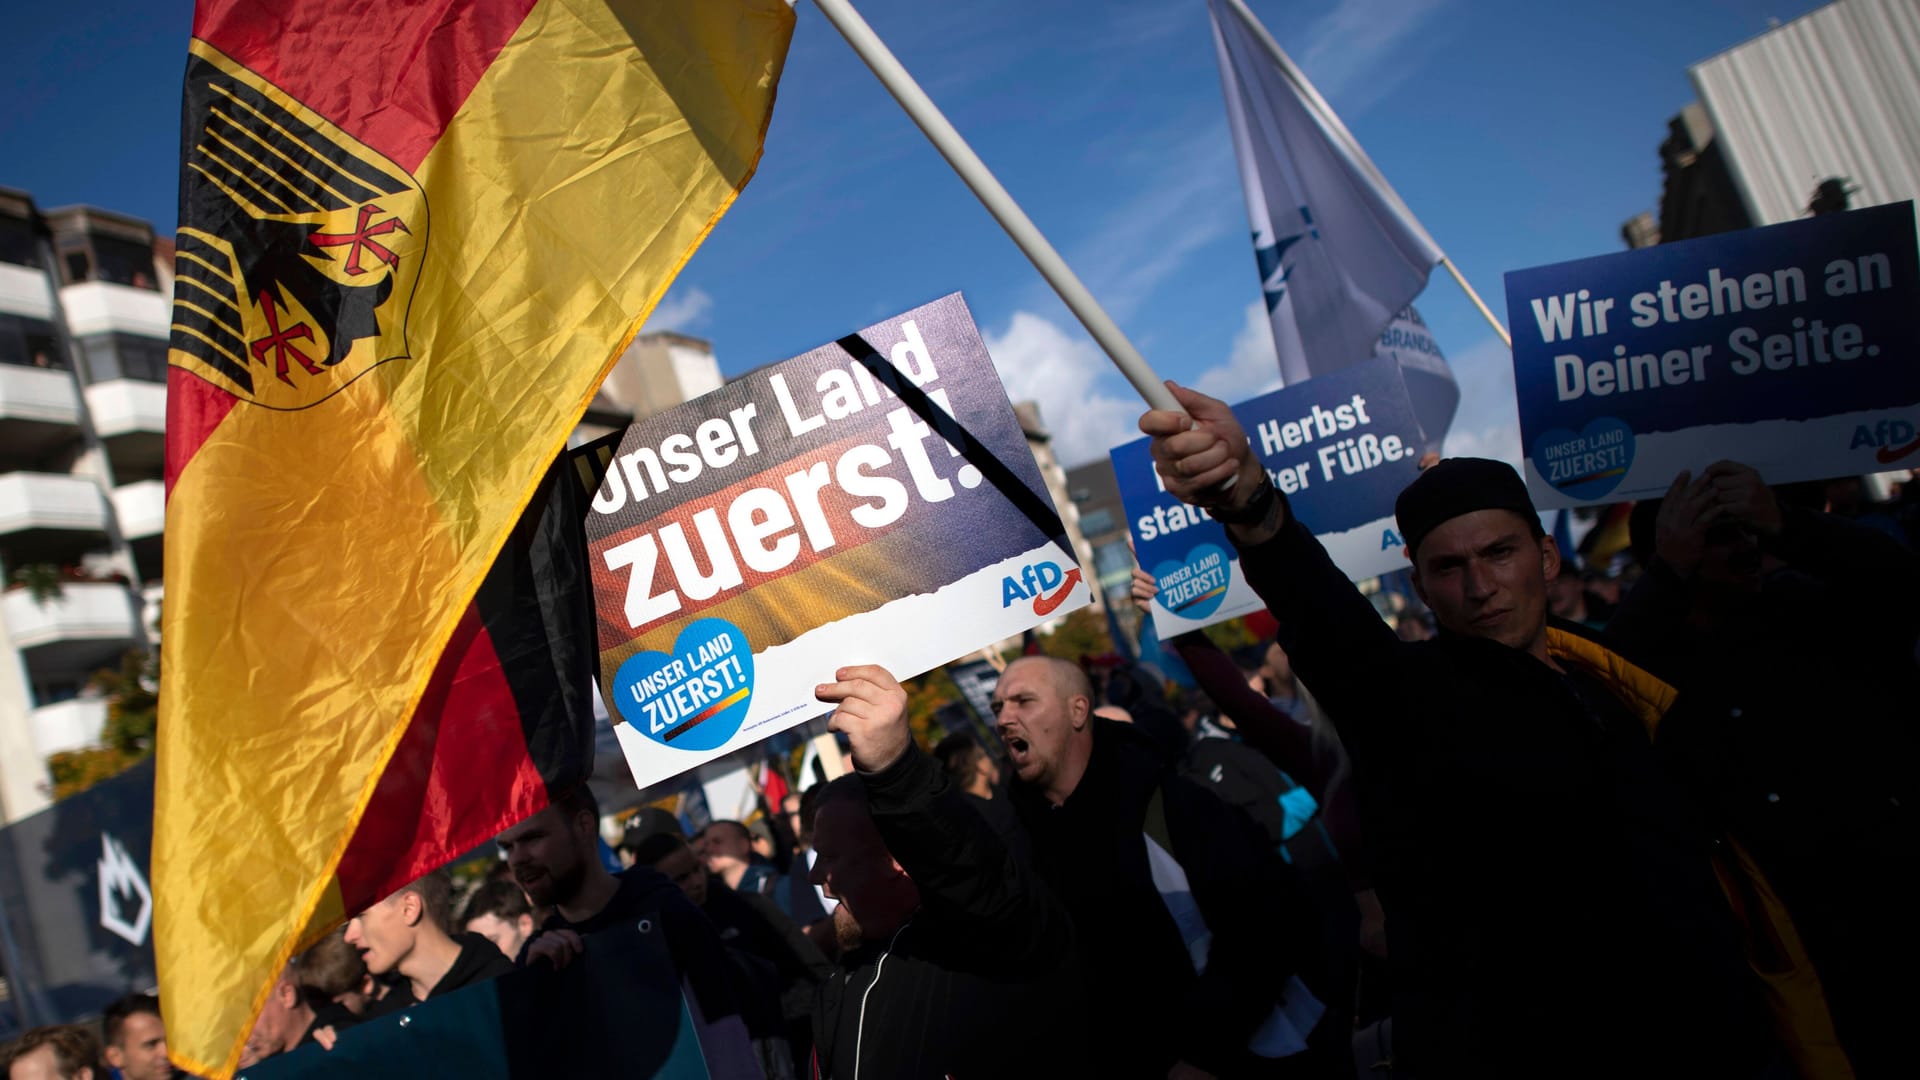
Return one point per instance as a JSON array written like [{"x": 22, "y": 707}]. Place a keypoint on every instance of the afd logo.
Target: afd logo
[
  {"x": 1894, "y": 439},
  {"x": 1043, "y": 583}
]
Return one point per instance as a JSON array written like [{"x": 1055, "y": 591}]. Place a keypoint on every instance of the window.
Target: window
[
  {"x": 1113, "y": 562},
  {"x": 17, "y": 245},
  {"x": 124, "y": 262},
  {"x": 98, "y": 360},
  {"x": 105, "y": 357},
  {"x": 142, "y": 358},
  {"x": 29, "y": 343},
  {"x": 1096, "y": 522}
]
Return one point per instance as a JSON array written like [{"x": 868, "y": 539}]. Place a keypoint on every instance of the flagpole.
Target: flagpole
[
  {"x": 1345, "y": 140},
  {"x": 998, "y": 202},
  {"x": 1505, "y": 338}
]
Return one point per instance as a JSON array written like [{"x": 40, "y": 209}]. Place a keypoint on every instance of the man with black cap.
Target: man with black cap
[{"x": 1552, "y": 900}]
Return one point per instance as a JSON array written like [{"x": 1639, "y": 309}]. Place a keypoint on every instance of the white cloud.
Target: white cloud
[
  {"x": 1083, "y": 402},
  {"x": 1350, "y": 51},
  {"x": 1487, "y": 423},
  {"x": 680, "y": 309},
  {"x": 1252, "y": 368}
]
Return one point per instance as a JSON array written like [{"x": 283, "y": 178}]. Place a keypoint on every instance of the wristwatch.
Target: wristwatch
[{"x": 1256, "y": 509}]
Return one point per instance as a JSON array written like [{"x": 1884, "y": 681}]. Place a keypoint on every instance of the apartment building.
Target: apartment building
[{"x": 83, "y": 344}]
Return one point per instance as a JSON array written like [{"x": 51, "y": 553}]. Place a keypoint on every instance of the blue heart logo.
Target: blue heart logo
[
  {"x": 1194, "y": 587},
  {"x": 695, "y": 697},
  {"x": 1588, "y": 465}
]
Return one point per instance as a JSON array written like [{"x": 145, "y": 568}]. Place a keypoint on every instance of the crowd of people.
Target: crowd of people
[{"x": 1551, "y": 823}]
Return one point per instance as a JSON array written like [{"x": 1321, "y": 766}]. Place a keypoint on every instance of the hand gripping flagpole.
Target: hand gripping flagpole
[
  {"x": 1014, "y": 220},
  {"x": 1344, "y": 139}
]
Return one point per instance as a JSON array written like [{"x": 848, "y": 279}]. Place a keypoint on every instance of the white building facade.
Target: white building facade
[{"x": 83, "y": 342}]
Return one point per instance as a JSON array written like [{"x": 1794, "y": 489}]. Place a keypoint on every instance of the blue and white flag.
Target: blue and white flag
[
  {"x": 1424, "y": 370},
  {"x": 1339, "y": 253}
]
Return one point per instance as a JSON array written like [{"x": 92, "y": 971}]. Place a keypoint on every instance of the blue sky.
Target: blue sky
[{"x": 1521, "y": 133}]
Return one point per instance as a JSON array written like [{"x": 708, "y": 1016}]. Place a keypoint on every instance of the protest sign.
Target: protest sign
[
  {"x": 1341, "y": 446},
  {"x": 976, "y": 680},
  {"x": 873, "y": 501},
  {"x": 1793, "y": 349}
]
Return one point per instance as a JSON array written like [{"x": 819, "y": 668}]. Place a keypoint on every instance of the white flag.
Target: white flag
[{"x": 1339, "y": 254}]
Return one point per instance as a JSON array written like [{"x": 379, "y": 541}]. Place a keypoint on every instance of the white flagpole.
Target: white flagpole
[
  {"x": 1014, "y": 220},
  {"x": 1345, "y": 140}
]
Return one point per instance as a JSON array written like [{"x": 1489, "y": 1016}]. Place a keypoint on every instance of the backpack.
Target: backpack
[{"x": 1285, "y": 1030}]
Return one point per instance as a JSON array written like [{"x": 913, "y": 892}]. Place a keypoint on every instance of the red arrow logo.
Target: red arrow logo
[
  {"x": 1890, "y": 454},
  {"x": 1044, "y": 605}
]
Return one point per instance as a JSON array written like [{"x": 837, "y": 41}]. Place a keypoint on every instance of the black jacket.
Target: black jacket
[
  {"x": 1092, "y": 851},
  {"x": 780, "y": 967},
  {"x": 1550, "y": 896},
  {"x": 646, "y": 894},
  {"x": 980, "y": 982},
  {"x": 1807, "y": 753}
]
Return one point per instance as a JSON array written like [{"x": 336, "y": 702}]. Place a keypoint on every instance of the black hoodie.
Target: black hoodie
[
  {"x": 980, "y": 982},
  {"x": 479, "y": 960}
]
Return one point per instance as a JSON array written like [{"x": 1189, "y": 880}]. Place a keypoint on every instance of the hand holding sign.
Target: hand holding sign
[
  {"x": 872, "y": 714},
  {"x": 1745, "y": 496},
  {"x": 1145, "y": 588},
  {"x": 1680, "y": 530}
]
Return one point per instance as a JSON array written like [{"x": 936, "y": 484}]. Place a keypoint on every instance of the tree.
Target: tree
[
  {"x": 1081, "y": 633},
  {"x": 925, "y": 696},
  {"x": 133, "y": 713}
]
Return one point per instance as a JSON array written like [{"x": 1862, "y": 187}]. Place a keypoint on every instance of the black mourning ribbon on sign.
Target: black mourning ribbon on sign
[{"x": 973, "y": 450}]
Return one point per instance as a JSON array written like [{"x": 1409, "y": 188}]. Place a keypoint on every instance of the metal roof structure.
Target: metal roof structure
[{"x": 1835, "y": 93}]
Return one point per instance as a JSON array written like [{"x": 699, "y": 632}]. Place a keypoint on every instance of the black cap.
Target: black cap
[
  {"x": 649, "y": 821},
  {"x": 1457, "y": 486}
]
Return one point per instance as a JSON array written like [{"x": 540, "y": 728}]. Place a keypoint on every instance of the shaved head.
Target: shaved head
[
  {"x": 1065, "y": 676},
  {"x": 1043, "y": 711}
]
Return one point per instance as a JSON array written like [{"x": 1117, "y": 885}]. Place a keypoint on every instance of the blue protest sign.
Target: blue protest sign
[
  {"x": 1792, "y": 348},
  {"x": 1341, "y": 446}
]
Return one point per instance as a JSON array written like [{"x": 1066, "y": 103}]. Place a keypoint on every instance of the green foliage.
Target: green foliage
[
  {"x": 925, "y": 696},
  {"x": 1082, "y": 633},
  {"x": 41, "y": 580},
  {"x": 1232, "y": 634},
  {"x": 133, "y": 716}
]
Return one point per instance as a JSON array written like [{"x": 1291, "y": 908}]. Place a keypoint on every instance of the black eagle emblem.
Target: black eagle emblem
[{"x": 296, "y": 241}]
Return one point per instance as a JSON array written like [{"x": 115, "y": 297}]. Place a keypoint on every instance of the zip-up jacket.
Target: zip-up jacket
[{"x": 980, "y": 982}]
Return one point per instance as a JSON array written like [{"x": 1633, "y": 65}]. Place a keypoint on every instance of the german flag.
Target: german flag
[{"x": 414, "y": 237}]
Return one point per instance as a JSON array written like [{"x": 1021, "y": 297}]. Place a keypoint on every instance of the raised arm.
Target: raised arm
[
  {"x": 1339, "y": 644},
  {"x": 959, "y": 865}
]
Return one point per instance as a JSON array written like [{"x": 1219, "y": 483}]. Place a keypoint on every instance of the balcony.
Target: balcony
[
  {"x": 68, "y": 725},
  {"x": 23, "y": 291},
  {"x": 141, "y": 508},
  {"x": 50, "y": 518},
  {"x": 130, "y": 416},
  {"x": 100, "y": 307},
  {"x": 39, "y": 411},
  {"x": 86, "y": 627},
  {"x": 128, "y": 406}
]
